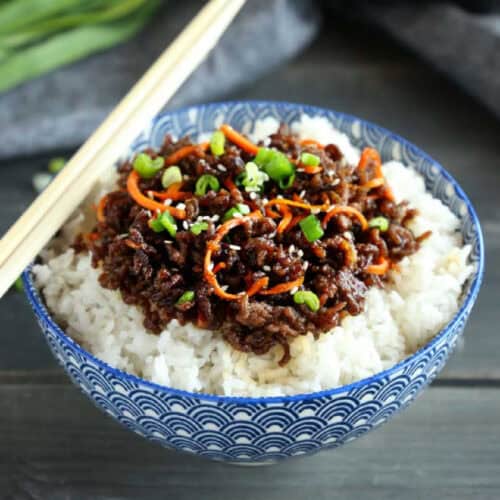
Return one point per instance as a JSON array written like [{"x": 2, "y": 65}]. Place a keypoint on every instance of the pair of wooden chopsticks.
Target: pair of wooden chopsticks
[{"x": 48, "y": 212}]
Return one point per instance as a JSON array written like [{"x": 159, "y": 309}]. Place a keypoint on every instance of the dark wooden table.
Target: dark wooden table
[{"x": 54, "y": 444}]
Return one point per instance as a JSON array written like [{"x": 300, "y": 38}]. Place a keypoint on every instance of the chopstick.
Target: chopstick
[{"x": 31, "y": 232}]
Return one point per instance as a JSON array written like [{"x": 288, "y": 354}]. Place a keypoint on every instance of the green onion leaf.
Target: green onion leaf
[
  {"x": 162, "y": 222},
  {"x": 380, "y": 223},
  {"x": 275, "y": 164},
  {"x": 56, "y": 165},
  {"x": 185, "y": 297},
  {"x": 252, "y": 179},
  {"x": 156, "y": 225},
  {"x": 198, "y": 227},
  {"x": 309, "y": 159},
  {"x": 146, "y": 167},
  {"x": 240, "y": 208},
  {"x": 287, "y": 183},
  {"x": 206, "y": 182},
  {"x": 217, "y": 142},
  {"x": 18, "y": 284},
  {"x": 311, "y": 227},
  {"x": 310, "y": 299},
  {"x": 172, "y": 175},
  {"x": 41, "y": 180}
]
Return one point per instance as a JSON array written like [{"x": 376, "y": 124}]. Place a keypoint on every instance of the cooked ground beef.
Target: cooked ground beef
[{"x": 154, "y": 270}]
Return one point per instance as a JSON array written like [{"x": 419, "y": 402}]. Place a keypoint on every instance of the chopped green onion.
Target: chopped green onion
[
  {"x": 185, "y": 297},
  {"x": 288, "y": 183},
  {"x": 380, "y": 223},
  {"x": 252, "y": 179},
  {"x": 263, "y": 156},
  {"x": 206, "y": 182},
  {"x": 309, "y": 159},
  {"x": 56, "y": 165},
  {"x": 172, "y": 175},
  {"x": 18, "y": 284},
  {"x": 156, "y": 225},
  {"x": 162, "y": 222},
  {"x": 41, "y": 180},
  {"x": 198, "y": 227},
  {"x": 146, "y": 167},
  {"x": 275, "y": 164},
  {"x": 310, "y": 299},
  {"x": 311, "y": 227},
  {"x": 217, "y": 142},
  {"x": 240, "y": 208}
]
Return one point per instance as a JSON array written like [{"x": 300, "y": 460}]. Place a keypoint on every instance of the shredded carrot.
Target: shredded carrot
[
  {"x": 347, "y": 211},
  {"x": 219, "y": 266},
  {"x": 388, "y": 193},
  {"x": 381, "y": 267},
  {"x": 258, "y": 285},
  {"x": 299, "y": 204},
  {"x": 233, "y": 189},
  {"x": 374, "y": 183},
  {"x": 294, "y": 222},
  {"x": 100, "y": 208},
  {"x": 144, "y": 201},
  {"x": 172, "y": 193},
  {"x": 132, "y": 244},
  {"x": 371, "y": 155},
  {"x": 285, "y": 221},
  {"x": 238, "y": 139},
  {"x": 214, "y": 245},
  {"x": 349, "y": 253},
  {"x": 311, "y": 142},
  {"x": 311, "y": 169},
  {"x": 186, "y": 151},
  {"x": 283, "y": 287},
  {"x": 91, "y": 236}
]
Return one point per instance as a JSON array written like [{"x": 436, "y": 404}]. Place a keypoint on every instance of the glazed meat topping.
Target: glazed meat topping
[{"x": 258, "y": 245}]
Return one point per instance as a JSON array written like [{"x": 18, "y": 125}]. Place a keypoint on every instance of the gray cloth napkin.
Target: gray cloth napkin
[
  {"x": 464, "y": 45},
  {"x": 61, "y": 109}
]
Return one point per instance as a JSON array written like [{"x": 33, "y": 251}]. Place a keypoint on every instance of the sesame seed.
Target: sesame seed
[
  {"x": 224, "y": 287},
  {"x": 291, "y": 248},
  {"x": 150, "y": 194},
  {"x": 300, "y": 170},
  {"x": 266, "y": 141},
  {"x": 266, "y": 268},
  {"x": 167, "y": 202},
  {"x": 253, "y": 195},
  {"x": 294, "y": 290},
  {"x": 302, "y": 193},
  {"x": 306, "y": 265},
  {"x": 168, "y": 242},
  {"x": 280, "y": 196},
  {"x": 185, "y": 224},
  {"x": 315, "y": 211},
  {"x": 331, "y": 207},
  {"x": 300, "y": 252},
  {"x": 347, "y": 235},
  {"x": 210, "y": 266},
  {"x": 234, "y": 247},
  {"x": 221, "y": 167},
  {"x": 186, "y": 177},
  {"x": 215, "y": 218},
  {"x": 335, "y": 182},
  {"x": 181, "y": 206},
  {"x": 237, "y": 215},
  {"x": 265, "y": 200}
]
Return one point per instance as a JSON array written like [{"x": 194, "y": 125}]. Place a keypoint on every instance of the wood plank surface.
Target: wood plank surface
[{"x": 56, "y": 445}]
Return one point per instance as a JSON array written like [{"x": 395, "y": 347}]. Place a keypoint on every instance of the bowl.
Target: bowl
[{"x": 270, "y": 429}]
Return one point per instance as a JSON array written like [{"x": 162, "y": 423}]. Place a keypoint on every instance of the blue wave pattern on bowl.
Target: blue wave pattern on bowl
[{"x": 264, "y": 430}]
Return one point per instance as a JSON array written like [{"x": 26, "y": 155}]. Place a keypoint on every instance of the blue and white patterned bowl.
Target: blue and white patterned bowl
[{"x": 265, "y": 430}]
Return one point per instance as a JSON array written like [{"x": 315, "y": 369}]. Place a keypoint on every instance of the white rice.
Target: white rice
[{"x": 396, "y": 321}]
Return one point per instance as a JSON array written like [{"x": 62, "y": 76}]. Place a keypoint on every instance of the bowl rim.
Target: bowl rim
[{"x": 41, "y": 311}]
